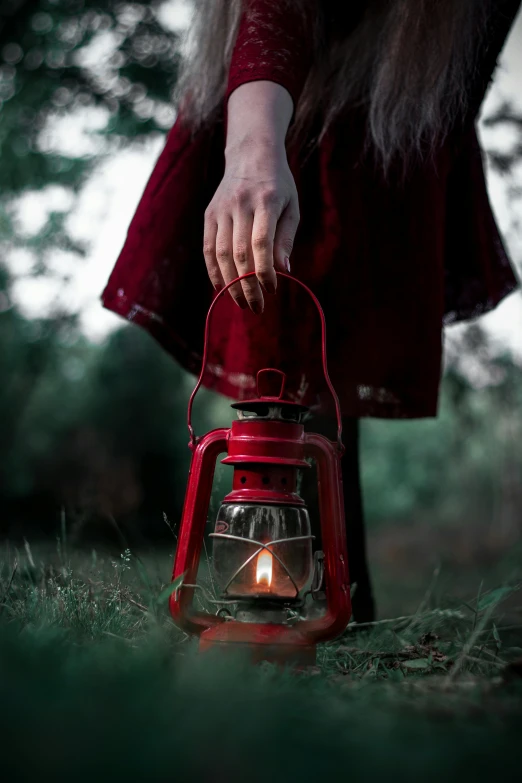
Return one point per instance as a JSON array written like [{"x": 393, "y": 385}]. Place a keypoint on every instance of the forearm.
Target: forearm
[
  {"x": 252, "y": 219},
  {"x": 269, "y": 65},
  {"x": 258, "y": 116}
]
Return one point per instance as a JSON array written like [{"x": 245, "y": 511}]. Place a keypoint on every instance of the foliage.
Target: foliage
[
  {"x": 69, "y": 60},
  {"x": 97, "y": 429},
  {"x": 49, "y": 68},
  {"x": 37, "y": 363},
  {"x": 101, "y": 431},
  {"x": 464, "y": 463}
]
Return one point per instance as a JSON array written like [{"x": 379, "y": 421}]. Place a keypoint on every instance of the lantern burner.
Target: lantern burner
[{"x": 266, "y": 612}]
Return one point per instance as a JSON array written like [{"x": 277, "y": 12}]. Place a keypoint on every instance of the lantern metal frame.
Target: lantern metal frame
[{"x": 256, "y": 442}]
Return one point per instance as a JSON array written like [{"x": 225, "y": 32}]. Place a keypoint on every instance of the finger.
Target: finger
[
  {"x": 263, "y": 233},
  {"x": 225, "y": 258},
  {"x": 285, "y": 236},
  {"x": 244, "y": 259},
  {"x": 209, "y": 251}
]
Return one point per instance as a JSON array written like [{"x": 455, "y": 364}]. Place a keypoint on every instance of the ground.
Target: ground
[{"x": 97, "y": 684}]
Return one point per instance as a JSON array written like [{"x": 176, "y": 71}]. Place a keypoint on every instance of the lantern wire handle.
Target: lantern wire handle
[{"x": 193, "y": 438}]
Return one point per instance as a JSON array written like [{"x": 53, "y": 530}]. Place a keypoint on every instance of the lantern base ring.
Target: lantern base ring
[
  {"x": 263, "y": 612},
  {"x": 282, "y": 611}
]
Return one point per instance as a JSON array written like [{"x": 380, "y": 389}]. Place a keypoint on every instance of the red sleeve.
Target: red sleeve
[{"x": 273, "y": 44}]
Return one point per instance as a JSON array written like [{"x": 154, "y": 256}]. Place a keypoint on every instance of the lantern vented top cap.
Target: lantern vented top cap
[{"x": 270, "y": 388}]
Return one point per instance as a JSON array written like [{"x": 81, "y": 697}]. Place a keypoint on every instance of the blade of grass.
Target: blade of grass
[
  {"x": 8, "y": 588},
  {"x": 468, "y": 646}
]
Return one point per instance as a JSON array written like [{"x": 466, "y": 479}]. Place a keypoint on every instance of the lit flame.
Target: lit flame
[{"x": 264, "y": 568}]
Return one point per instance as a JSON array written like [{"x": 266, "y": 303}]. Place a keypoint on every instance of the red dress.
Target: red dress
[{"x": 390, "y": 265}]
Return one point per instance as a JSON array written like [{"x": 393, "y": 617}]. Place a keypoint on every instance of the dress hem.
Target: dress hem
[{"x": 221, "y": 382}]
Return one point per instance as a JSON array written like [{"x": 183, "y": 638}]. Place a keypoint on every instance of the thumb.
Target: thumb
[{"x": 284, "y": 236}]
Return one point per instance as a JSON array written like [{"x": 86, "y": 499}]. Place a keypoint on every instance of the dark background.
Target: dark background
[{"x": 93, "y": 434}]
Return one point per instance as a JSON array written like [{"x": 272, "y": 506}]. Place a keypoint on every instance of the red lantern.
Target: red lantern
[{"x": 263, "y": 560}]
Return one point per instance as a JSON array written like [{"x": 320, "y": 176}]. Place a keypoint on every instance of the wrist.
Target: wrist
[
  {"x": 255, "y": 144},
  {"x": 258, "y": 116}
]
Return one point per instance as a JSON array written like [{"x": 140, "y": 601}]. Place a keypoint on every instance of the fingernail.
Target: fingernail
[
  {"x": 218, "y": 287},
  {"x": 269, "y": 287},
  {"x": 287, "y": 264},
  {"x": 257, "y": 307},
  {"x": 241, "y": 302}
]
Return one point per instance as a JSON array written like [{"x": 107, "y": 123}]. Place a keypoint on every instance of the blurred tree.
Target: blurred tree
[
  {"x": 128, "y": 457},
  {"x": 463, "y": 468},
  {"x": 63, "y": 59},
  {"x": 508, "y": 116},
  {"x": 99, "y": 430},
  {"x": 504, "y": 160},
  {"x": 61, "y": 56},
  {"x": 69, "y": 411},
  {"x": 36, "y": 358}
]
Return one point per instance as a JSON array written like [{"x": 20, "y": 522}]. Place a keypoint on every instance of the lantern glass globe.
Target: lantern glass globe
[{"x": 262, "y": 551}]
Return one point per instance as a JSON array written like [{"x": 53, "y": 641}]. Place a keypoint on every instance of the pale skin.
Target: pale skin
[{"x": 251, "y": 222}]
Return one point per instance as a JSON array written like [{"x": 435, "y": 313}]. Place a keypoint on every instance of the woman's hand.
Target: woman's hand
[{"x": 251, "y": 222}]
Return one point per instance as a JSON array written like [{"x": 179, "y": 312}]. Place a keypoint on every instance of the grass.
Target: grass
[{"x": 97, "y": 684}]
